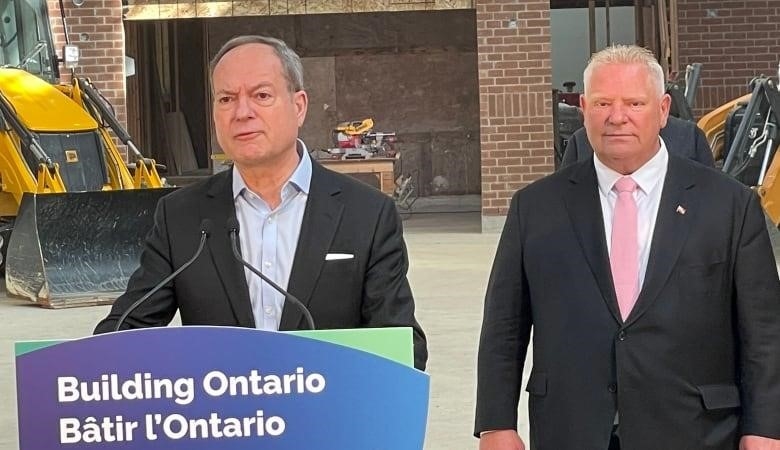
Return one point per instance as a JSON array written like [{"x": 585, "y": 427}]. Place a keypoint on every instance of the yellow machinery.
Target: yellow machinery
[
  {"x": 356, "y": 127},
  {"x": 714, "y": 125},
  {"x": 751, "y": 156},
  {"x": 349, "y": 135},
  {"x": 357, "y": 140},
  {"x": 74, "y": 214}
]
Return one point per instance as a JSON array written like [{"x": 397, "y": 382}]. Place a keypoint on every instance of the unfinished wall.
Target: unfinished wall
[
  {"x": 424, "y": 99},
  {"x": 192, "y": 90},
  {"x": 413, "y": 73},
  {"x": 320, "y": 83},
  {"x": 734, "y": 41}
]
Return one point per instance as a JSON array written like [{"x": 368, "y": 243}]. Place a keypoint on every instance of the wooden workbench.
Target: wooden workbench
[{"x": 377, "y": 172}]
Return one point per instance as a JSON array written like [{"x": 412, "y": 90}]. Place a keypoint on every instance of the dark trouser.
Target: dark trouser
[{"x": 614, "y": 442}]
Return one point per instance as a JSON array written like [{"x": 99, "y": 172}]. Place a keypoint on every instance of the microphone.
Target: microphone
[
  {"x": 205, "y": 230},
  {"x": 232, "y": 225}
]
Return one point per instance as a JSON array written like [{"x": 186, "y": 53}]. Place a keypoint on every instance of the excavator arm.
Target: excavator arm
[
  {"x": 47, "y": 171},
  {"x": 769, "y": 185},
  {"x": 752, "y": 155},
  {"x": 145, "y": 173}
]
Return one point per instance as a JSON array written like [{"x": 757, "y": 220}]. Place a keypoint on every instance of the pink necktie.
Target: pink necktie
[{"x": 624, "y": 257}]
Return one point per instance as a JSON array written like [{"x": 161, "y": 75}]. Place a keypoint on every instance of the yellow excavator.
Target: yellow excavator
[
  {"x": 713, "y": 124},
  {"x": 73, "y": 212},
  {"x": 748, "y": 151}
]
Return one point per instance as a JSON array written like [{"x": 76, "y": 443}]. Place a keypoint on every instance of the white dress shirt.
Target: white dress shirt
[
  {"x": 269, "y": 238},
  {"x": 650, "y": 179}
]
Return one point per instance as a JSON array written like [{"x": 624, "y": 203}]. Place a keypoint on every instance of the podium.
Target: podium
[{"x": 223, "y": 388}]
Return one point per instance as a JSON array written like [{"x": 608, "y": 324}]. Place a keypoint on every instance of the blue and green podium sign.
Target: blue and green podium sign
[{"x": 222, "y": 388}]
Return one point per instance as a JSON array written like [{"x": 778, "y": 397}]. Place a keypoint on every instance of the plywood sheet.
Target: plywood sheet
[
  {"x": 186, "y": 9},
  {"x": 250, "y": 8},
  {"x": 329, "y": 6},
  {"x": 215, "y": 8},
  {"x": 143, "y": 12}
]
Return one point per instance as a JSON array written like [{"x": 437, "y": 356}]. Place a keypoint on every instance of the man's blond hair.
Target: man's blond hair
[{"x": 626, "y": 54}]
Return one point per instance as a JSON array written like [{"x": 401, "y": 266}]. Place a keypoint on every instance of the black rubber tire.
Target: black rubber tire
[{"x": 6, "y": 227}]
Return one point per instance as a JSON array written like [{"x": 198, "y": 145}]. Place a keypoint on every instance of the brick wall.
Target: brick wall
[
  {"x": 734, "y": 41},
  {"x": 96, "y": 27},
  {"x": 513, "y": 44}
]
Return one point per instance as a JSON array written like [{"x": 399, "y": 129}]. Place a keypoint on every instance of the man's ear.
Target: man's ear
[
  {"x": 582, "y": 102},
  {"x": 301, "y": 101},
  {"x": 666, "y": 104}
]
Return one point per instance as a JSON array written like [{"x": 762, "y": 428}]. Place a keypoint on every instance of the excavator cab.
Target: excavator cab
[
  {"x": 73, "y": 214},
  {"x": 25, "y": 38}
]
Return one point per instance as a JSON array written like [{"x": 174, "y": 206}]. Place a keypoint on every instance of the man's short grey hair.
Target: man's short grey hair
[
  {"x": 626, "y": 54},
  {"x": 291, "y": 62}
]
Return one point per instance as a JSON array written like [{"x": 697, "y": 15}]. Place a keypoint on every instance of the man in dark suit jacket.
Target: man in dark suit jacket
[
  {"x": 675, "y": 345},
  {"x": 340, "y": 240},
  {"x": 683, "y": 138}
]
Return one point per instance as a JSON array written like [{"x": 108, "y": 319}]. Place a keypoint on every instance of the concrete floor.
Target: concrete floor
[{"x": 450, "y": 263}]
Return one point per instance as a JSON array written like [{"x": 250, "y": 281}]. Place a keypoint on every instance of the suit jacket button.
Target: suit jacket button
[
  {"x": 622, "y": 335},
  {"x": 612, "y": 388}
]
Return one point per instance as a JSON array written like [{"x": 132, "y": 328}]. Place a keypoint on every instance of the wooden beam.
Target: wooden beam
[
  {"x": 606, "y": 16},
  {"x": 592, "y": 25},
  {"x": 639, "y": 35},
  {"x": 639, "y": 22},
  {"x": 674, "y": 52},
  {"x": 186, "y": 9},
  {"x": 663, "y": 36}
]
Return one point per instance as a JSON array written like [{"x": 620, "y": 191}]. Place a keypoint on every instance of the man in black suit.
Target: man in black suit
[
  {"x": 650, "y": 286},
  {"x": 682, "y": 138},
  {"x": 335, "y": 243}
]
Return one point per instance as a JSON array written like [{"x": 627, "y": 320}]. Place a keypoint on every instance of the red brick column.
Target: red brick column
[
  {"x": 96, "y": 27},
  {"x": 515, "y": 75},
  {"x": 734, "y": 40}
]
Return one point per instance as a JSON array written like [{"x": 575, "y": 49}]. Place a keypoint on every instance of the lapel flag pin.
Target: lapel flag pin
[{"x": 680, "y": 210}]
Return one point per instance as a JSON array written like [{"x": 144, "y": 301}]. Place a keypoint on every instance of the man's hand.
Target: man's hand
[
  {"x": 756, "y": 443},
  {"x": 503, "y": 440}
]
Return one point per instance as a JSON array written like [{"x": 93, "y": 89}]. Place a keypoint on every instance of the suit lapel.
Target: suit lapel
[
  {"x": 318, "y": 228},
  {"x": 671, "y": 230},
  {"x": 218, "y": 206},
  {"x": 582, "y": 200}
]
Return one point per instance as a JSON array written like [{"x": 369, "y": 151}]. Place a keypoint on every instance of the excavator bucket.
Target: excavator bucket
[{"x": 78, "y": 249}]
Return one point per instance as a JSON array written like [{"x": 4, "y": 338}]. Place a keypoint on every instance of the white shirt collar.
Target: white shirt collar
[
  {"x": 300, "y": 178},
  {"x": 646, "y": 177}
]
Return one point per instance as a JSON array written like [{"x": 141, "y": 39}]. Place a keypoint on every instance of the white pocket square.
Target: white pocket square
[{"x": 337, "y": 256}]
